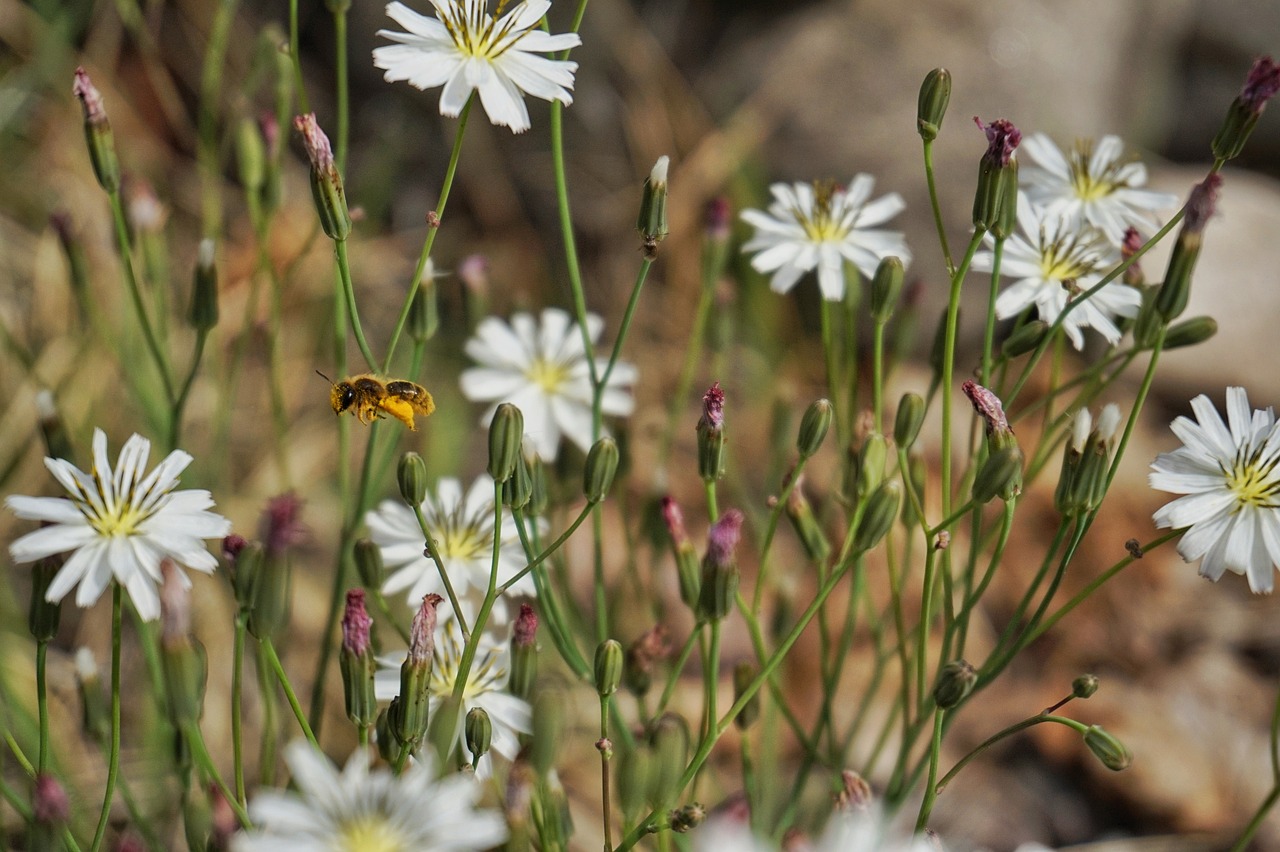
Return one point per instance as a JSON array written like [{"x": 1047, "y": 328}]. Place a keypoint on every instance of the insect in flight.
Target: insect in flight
[{"x": 372, "y": 398}]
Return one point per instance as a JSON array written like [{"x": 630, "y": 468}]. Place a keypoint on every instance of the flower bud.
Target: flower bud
[
  {"x": 97, "y": 132},
  {"x": 548, "y": 729},
  {"x": 937, "y": 350},
  {"x": 687, "y": 818},
  {"x": 1000, "y": 475},
  {"x": 744, "y": 674},
  {"x": 878, "y": 516},
  {"x": 518, "y": 489},
  {"x": 871, "y": 460},
  {"x": 1261, "y": 84},
  {"x": 251, "y": 155},
  {"x": 50, "y": 810},
  {"x": 643, "y": 656},
  {"x": 44, "y": 616},
  {"x": 995, "y": 171},
  {"x": 633, "y": 777},
  {"x": 424, "y": 313},
  {"x": 813, "y": 427},
  {"x": 669, "y": 738},
  {"x": 608, "y": 667},
  {"x": 1024, "y": 339},
  {"x": 388, "y": 745},
  {"x": 1171, "y": 299},
  {"x": 886, "y": 288},
  {"x": 955, "y": 682},
  {"x": 524, "y": 653},
  {"x": 204, "y": 289},
  {"x": 652, "y": 222},
  {"x": 909, "y": 419},
  {"x": 931, "y": 106},
  {"x": 1005, "y": 222},
  {"x": 1107, "y": 749},
  {"x": 479, "y": 733},
  {"x": 540, "y": 490},
  {"x": 1084, "y": 686},
  {"x": 326, "y": 182},
  {"x": 245, "y": 568},
  {"x": 991, "y": 410},
  {"x": 95, "y": 717},
  {"x": 602, "y": 465},
  {"x": 410, "y": 715},
  {"x": 711, "y": 435},
  {"x": 369, "y": 567},
  {"x": 356, "y": 662},
  {"x": 685, "y": 556},
  {"x": 506, "y": 434},
  {"x": 1190, "y": 332},
  {"x": 917, "y": 472},
  {"x": 719, "y": 586},
  {"x": 181, "y": 659},
  {"x": 806, "y": 525}
]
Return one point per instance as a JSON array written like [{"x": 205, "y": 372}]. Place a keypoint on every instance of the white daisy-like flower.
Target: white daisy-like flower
[
  {"x": 820, "y": 226},
  {"x": 466, "y": 50},
  {"x": 462, "y": 527},
  {"x": 1230, "y": 476},
  {"x": 1093, "y": 184},
  {"x": 486, "y": 688},
  {"x": 359, "y": 809},
  {"x": 119, "y": 523},
  {"x": 541, "y": 368},
  {"x": 1054, "y": 261}
]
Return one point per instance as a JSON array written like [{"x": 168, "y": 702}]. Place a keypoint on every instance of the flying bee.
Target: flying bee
[{"x": 371, "y": 398}]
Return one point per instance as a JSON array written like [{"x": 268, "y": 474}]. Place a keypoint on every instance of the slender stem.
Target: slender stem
[
  {"x": 674, "y": 675},
  {"x": 606, "y": 749},
  {"x": 992, "y": 740},
  {"x": 341, "y": 84},
  {"x": 931, "y": 791},
  {"x": 989, "y": 332},
  {"x": 303, "y": 105},
  {"x": 135, "y": 295},
  {"x": 42, "y": 703},
  {"x": 433, "y": 551},
  {"x": 555, "y": 545},
  {"x": 937, "y": 207},
  {"x": 237, "y": 707},
  {"x": 570, "y": 244},
  {"x": 196, "y": 740},
  {"x": 349, "y": 293},
  {"x": 207, "y": 121},
  {"x": 180, "y": 404},
  {"x": 831, "y": 354},
  {"x": 274, "y": 659},
  {"x": 113, "y": 759}
]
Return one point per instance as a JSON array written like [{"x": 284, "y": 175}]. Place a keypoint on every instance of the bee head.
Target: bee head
[{"x": 341, "y": 394}]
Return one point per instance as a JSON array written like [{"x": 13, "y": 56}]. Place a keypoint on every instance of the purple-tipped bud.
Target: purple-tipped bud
[
  {"x": 473, "y": 272},
  {"x": 674, "y": 519},
  {"x": 722, "y": 540},
  {"x": 1002, "y": 140},
  {"x": 319, "y": 151},
  {"x": 711, "y": 434},
  {"x": 422, "y": 633},
  {"x": 50, "y": 805},
  {"x": 1175, "y": 292},
  {"x": 1201, "y": 204},
  {"x": 1261, "y": 84},
  {"x": 97, "y": 133},
  {"x": 719, "y": 216},
  {"x": 147, "y": 214},
  {"x": 326, "y": 182},
  {"x": 280, "y": 526},
  {"x": 270, "y": 129},
  {"x": 855, "y": 793},
  {"x": 232, "y": 545},
  {"x": 1130, "y": 246},
  {"x": 719, "y": 582},
  {"x": 989, "y": 408},
  {"x": 90, "y": 98},
  {"x": 712, "y": 408},
  {"x": 355, "y": 624},
  {"x": 525, "y": 631}
]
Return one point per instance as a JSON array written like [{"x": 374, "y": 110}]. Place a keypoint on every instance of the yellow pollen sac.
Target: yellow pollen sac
[
  {"x": 370, "y": 834},
  {"x": 124, "y": 521}
]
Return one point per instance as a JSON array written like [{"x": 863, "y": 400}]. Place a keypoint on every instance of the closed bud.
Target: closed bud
[
  {"x": 524, "y": 653},
  {"x": 1190, "y": 332},
  {"x": 97, "y": 132},
  {"x": 251, "y": 154},
  {"x": 369, "y": 567},
  {"x": 1000, "y": 475},
  {"x": 652, "y": 221},
  {"x": 643, "y": 656},
  {"x": 744, "y": 674},
  {"x": 95, "y": 718},
  {"x": 548, "y": 729},
  {"x": 907, "y": 423},
  {"x": 955, "y": 681},
  {"x": 871, "y": 461},
  {"x": 204, "y": 289},
  {"x": 669, "y": 738},
  {"x": 1024, "y": 339},
  {"x": 52, "y": 428},
  {"x": 411, "y": 476},
  {"x": 43, "y": 616},
  {"x": 608, "y": 667},
  {"x": 388, "y": 745},
  {"x": 995, "y": 171},
  {"x": 711, "y": 435},
  {"x": 1242, "y": 116},
  {"x": 246, "y": 567},
  {"x": 50, "y": 806},
  {"x": 506, "y": 434},
  {"x": 937, "y": 351},
  {"x": 479, "y": 733},
  {"x": 917, "y": 472},
  {"x": 1171, "y": 299},
  {"x": 687, "y": 818},
  {"x": 356, "y": 662},
  {"x": 518, "y": 489},
  {"x": 601, "y": 466},
  {"x": 855, "y": 796},
  {"x": 633, "y": 777},
  {"x": 931, "y": 106},
  {"x": 424, "y": 313},
  {"x": 1084, "y": 686},
  {"x": 411, "y": 711},
  {"x": 806, "y": 525},
  {"x": 719, "y": 586},
  {"x": 813, "y": 427},
  {"x": 539, "y": 491},
  {"x": 682, "y": 549},
  {"x": 1107, "y": 749},
  {"x": 326, "y": 182},
  {"x": 270, "y": 594},
  {"x": 886, "y": 288},
  {"x": 1005, "y": 221},
  {"x": 878, "y": 516}
]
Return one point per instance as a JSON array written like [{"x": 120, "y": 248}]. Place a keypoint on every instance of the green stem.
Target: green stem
[
  {"x": 207, "y": 121},
  {"x": 283, "y": 679},
  {"x": 180, "y": 404},
  {"x": 113, "y": 759},
  {"x": 433, "y": 551},
  {"x": 237, "y": 705},
  {"x": 303, "y": 105},
  {"x": 992, "y": 740},
  {"x": 555, "y": 545},
  {"x": 195, "y": 738},
  {"x": 937, "y": 207},
  {"x": 349, "y": 294},
  {"x": 135, "y": 295},
  {"x": 42, "y": 703},
  {"x": 931, "y": 791},
  {"x": 989, "y": 332},
  {"x": 831, "y": 355}
]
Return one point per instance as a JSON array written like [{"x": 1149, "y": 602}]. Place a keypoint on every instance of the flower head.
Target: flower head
[
  {"x": 820, "y": 226},
  {"x": 1230, "y": 476},
  {"x": 1003, "y": 139},
  {"x": 464, "y": 49},
  {"x": 540, "y": 366},
  {"x": 486, "y": 687},
  {"x": 119, "y": 523},
  {"x": 1054, "y": 261},
  {"x": 462, "y": 527},
  {"x": 1094, "y": 184},
  {"x": 1261, "y": 84},
  {"x": 360, "y": 809}
]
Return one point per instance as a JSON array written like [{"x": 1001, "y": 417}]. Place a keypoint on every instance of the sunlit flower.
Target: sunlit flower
[
  {"x": 1054, "y": 261},
  {"x": 466, "y": 50},
  {"x": 820, "y": 226},
  {"x": 1092, "y": 183},
  {"x": 119, "y": 523},
  {"x": 542, "y": 369},
  {"x": 486, "y": 688},
  {"x": 462, "y": 527},
  {"x": 358, "y": 809},
  {"x": 1230, "y": 474}
]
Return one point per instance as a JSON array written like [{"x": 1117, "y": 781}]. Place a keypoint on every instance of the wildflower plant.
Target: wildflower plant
[{"x": 606, "y": 583}]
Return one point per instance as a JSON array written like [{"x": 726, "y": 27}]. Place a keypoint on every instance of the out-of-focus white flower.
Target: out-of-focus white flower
[
  {"x": 819, "y": 226},
  {"x": 541, "y": 368},
  {"x": 358, "y": 809},
  {"x": 119, "y": 524},
  {"x": 1091, "y": 184},
  {"x": 486, "y": 688},
  {"x": 1054, "y": 261},
  {"x": 1230, "y": 476},
  {"x": 464, "y": 49}
]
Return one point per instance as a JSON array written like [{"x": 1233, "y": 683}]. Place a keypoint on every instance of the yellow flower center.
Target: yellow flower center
[
  {"x": 820, "y": 225},
  {"x": 370, "y": 834},
  {"x": 463, "y": 542},
  {"x": 549, "y": 376},
  {"x": 474, "y": 31},
  {"x": 486, "y": 673},
  {"x": 1253, "y": 484},
  {"x": 1089, "y": 186}
]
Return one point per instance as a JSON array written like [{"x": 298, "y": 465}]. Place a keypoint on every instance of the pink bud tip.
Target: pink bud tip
[{"x": 355, "y": 624}]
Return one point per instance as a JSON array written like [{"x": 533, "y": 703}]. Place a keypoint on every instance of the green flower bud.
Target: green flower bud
[
  {"x": 269, "y": 598},
  {"x": 388, "y": 745},
  {"x": 931, "y": 106},
  {"x": 1084, "y": 686},
  {"x": 608, "y": 667},
  {"x": 369, "y": 567},
  {"x": 518, "y": 489},
  {"x": 410, "y": 712},
  {"x": 1107, "y": 749},
  {"x": 652, "y": 222},
  {"x": 204, "y": 289},
  {"x": 687, "y": 818},
  {"x": 806, "y": 525},
  {"x": 871, "y": 461},
  {"x": 251, "y": 154},
  {"x": 1024, "y": 339},
  {"x": 813, "y": 427},
  {"x": 326, "y": 183},
  {"x": 711, "y": 435},
  {"x": 1000, "y": 475},
  {"x": 524, "y": 653},
  {"x": 356, "y": 662},
  {"x": 886, "y": 288},
  {"x": 539, "y": 493},
  {"x": 669, "y": 739},
  {"x": 1171, "y": 299},
  {"x": 744, "y": 673},
  {"x": 602, "y": 465},
  {"x": 1006, "y": 216},
  {"x": 95, "y": 718},
  {"x": 1242, "y": 116},
  {"x": 548, "y": 729},
  {"x": 184, "y": 666},
  {"x": 878, "y": 516},
  {"x": 43, "y": 616},
  {"x": 424, "y": 313},
  {"x": 633, "y": 778},
  {"x": 955, "y": 682},
  {"x": 479, "y": 733},
  {"x": 907, "y": 423},
  {"x": 719, "y": 586},
  {"x": 1190, "y": 332},
  {"x": 506, "y": 435},
  {"x": 97, "y": 132},
  {"x": 996, "y": 170},
  {"x": 411, "y": 476}
]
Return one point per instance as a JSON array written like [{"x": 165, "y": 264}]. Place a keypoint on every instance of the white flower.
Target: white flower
[
  {"x": 119, "y": 524},
  {"x": 1091, "y": 184},
  {"x": 462, "y": 527},
  {"x": 486, "y": 688},
  {"x": 855, "y": 830},
  {"x": 358, "y": 809},
  {"x": 465, "y": 50},
  {"x": 1230, "y": 474},
  {"x": 820, "y": 226},
  {"x": 542, "y": 369},
  {"x": 1055, "y": 255}
]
